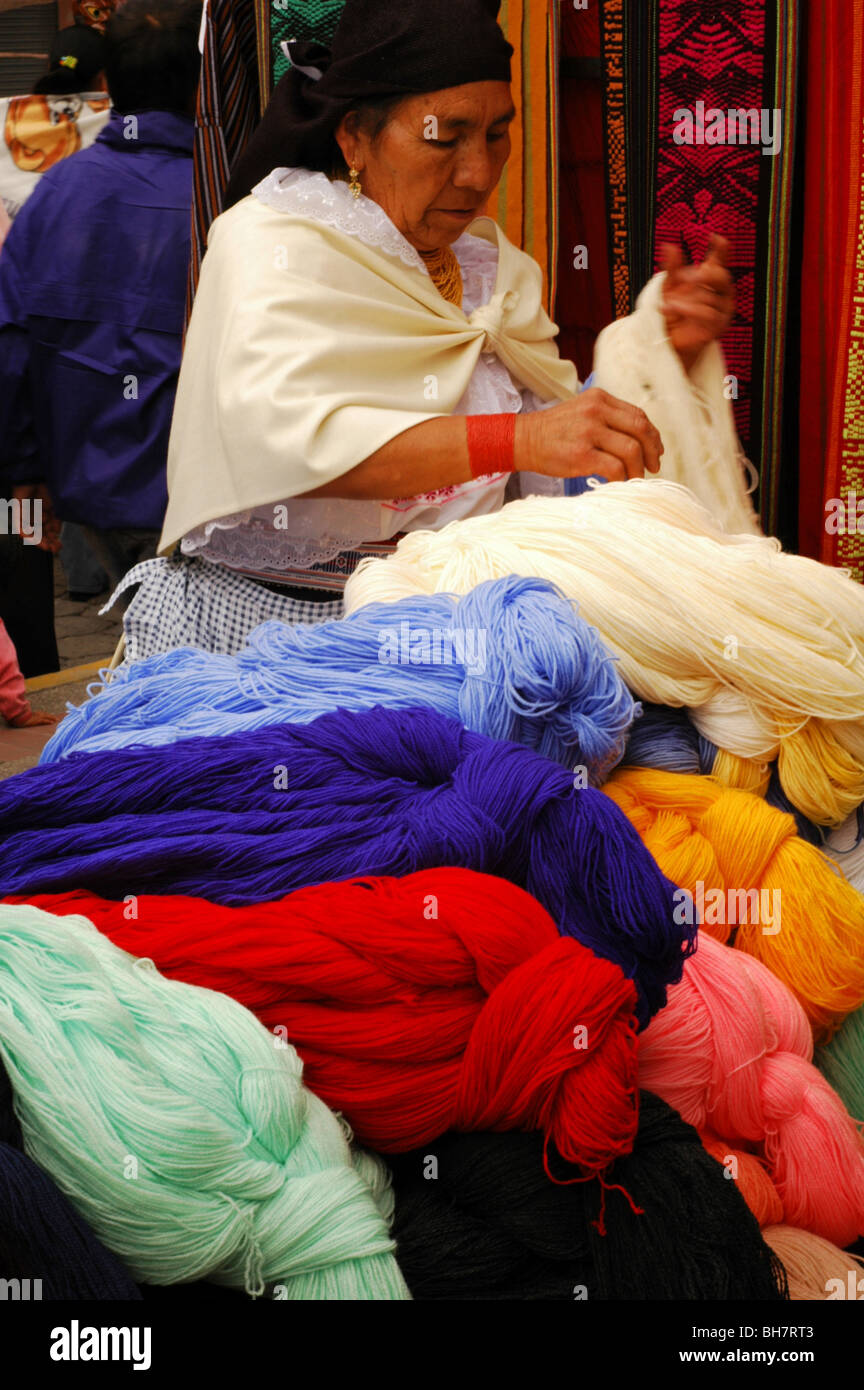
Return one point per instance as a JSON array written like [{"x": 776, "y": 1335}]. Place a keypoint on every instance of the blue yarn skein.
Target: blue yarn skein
[
  {"x": 43, "y": 1238},
  {"x": 521, "y": 666},
  {"x": 249, "y": 817},
  {"x": 664, "y": 738}
]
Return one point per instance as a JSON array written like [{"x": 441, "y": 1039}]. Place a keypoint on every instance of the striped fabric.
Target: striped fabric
[
  {"x": 228, "y": 109},
  {"x": 772, "y": 288},
  {"x": 525, "y": 203}
]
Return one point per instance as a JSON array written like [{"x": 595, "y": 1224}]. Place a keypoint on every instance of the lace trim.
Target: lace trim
[
  {"x": 251, "y": 544},
  {"x": 320, "y": 529},
  {"x": 314, "y": 195}
]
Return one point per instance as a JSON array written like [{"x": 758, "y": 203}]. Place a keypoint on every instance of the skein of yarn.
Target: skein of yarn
[
  {"x": 766, "y": 649},
  {"x": 248, "y": 817},
  {"x": 731, "y": 1053},
  {"x": 512, "y": 660},
  {"x": 43, "y": 1239},
  {"x": 842, "y": 1063},
  {"x": 177, "y": 1127},
  {"x": 816, "y": 1269},
  {"x": 442, "y": 1000},
  {"x": 668, "y": 740},
  {"x": 749, "y": 872},
  {"x": 476, "y": 1219},
  {"x": 845, "y": 844},
  {"x": 750, "y": 1176},
  {"x": 665, "y": 739},
  {"x": 10, "y": 1129}
]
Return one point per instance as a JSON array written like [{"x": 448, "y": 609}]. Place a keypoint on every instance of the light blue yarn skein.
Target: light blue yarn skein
[{"x": 520, "y": 665}]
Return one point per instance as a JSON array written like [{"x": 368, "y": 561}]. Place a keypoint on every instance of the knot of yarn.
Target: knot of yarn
[{"x": 554, "y": 1049}]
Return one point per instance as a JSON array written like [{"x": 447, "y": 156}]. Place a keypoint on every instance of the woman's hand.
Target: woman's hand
[
  {"x": 698, "y": 300},
  {"x": 595, "y": 433},
  {"x": 35, "y": 719}
]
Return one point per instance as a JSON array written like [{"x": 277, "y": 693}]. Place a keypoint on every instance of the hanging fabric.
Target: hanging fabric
[
  {"x": 832, "y": 291},
  {"x": 660, "y": 58}
]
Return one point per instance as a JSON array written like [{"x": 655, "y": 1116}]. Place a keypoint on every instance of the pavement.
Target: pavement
[{"x": 86, "y": 643}]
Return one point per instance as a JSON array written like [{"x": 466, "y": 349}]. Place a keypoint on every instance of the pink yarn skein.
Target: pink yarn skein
[{"x": 731, "y": 1052}]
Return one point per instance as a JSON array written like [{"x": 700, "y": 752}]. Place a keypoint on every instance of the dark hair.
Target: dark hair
[
  {"x": 372, "y": 118},
  {"x": 152, "y": 61},
  {"x": 86, "y": 47}
]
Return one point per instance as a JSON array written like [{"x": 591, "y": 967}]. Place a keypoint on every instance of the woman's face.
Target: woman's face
[{"x": 437, "y": 161}]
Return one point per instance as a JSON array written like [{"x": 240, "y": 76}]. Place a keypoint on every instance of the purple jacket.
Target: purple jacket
[{"x": 92, "y": 296}]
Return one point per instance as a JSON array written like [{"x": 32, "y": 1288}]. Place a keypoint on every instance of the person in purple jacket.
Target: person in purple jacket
[{"x": 92, "y": 297}]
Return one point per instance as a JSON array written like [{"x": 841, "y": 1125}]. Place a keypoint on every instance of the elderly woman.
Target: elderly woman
[{"x": 368, "y": 354}]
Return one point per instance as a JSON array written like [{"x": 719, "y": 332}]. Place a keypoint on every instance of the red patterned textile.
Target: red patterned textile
[{"x": 832, "y": 304}]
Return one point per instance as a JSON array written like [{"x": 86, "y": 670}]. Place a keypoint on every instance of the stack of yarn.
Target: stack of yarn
[{"x": 465, "y": 947}]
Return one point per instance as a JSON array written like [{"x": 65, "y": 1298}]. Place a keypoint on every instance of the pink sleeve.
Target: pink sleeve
[{"x": 13, "y": 697}]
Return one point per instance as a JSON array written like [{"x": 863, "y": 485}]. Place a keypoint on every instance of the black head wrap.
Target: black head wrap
[{"x": 380, "y": 50}]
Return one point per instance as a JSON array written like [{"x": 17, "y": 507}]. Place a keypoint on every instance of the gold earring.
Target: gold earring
[{"x": 354, "y": 182}]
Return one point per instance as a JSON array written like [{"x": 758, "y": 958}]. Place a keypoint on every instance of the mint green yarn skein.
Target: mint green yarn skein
[
  {"x": 179, "y": 1127},
  {"x": 841, "y": 1062}
]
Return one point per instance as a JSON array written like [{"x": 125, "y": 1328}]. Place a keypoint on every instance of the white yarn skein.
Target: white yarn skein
[{"x": 754, "y": 641}]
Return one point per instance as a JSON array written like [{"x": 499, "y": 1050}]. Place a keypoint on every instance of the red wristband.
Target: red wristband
[{"x": 491, "y": 444}]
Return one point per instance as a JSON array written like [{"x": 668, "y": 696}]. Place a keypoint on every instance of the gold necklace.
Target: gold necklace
[{"x": 445, "y": 274}]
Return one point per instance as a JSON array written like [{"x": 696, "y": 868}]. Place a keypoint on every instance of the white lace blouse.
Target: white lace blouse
[{"x": 313, "y": 531}]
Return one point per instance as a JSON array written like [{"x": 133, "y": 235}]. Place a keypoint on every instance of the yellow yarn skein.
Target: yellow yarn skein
[
  {"x": 756, "y": 877},
  {"x": 740, "y": 773}
]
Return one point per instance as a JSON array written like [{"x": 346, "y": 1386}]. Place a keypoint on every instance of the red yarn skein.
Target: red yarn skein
[{"x": 442, "y": 1000}]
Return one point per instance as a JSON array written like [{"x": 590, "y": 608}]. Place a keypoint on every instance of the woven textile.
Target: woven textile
[
  {"x": 838, "y": 81},
  {"x": 663, "y": 56},
  {"x": 299, "y": 19}
]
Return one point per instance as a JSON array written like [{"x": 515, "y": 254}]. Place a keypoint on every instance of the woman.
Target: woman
[{"x": 367, "y": 353}]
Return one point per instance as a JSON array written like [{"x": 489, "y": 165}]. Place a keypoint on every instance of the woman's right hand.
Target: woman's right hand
[{"x": 594, "y": 433}]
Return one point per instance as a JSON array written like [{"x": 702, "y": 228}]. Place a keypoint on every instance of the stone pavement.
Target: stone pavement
[
  {"x": 82, "y": 636},
  {"x": 84, "y": 640}
]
